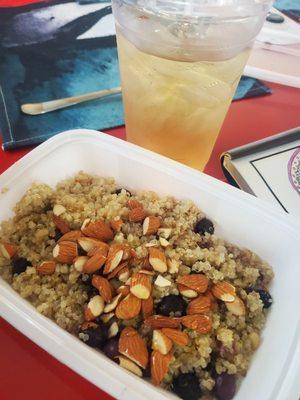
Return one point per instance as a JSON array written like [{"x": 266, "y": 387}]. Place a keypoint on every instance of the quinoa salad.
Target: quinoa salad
[{"x": 141, "y": 278}]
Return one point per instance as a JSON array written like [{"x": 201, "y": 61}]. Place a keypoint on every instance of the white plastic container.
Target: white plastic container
[{"x": 241, "y": 218}]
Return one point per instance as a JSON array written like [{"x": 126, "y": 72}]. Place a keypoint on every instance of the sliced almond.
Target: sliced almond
[
  {"x": 236, "y": 307},
  {"x": 152, "y": 244},
  {"x": 59, "y": 209},
  {"x": 151, "y": 225},
  {"x": 224, "y": 291},
  {"x": 160, "y": 281},
  {"x": 94, "y": 263},
  {"x": 133, "y": 346},
  {"x": 197, "y": 282},
  {"x": 137, "y": 215},
  {"x": 65, "y": 252},
  {"x": 116, "y": 224},
  {"x": 133, "y": 203},
  {"x": 60, "y": 224},
  {"x": 85, "y": 223},
  {"x": 130, "y": 366},
  {"x": 200, "y": 305},
  {"x": 87, "y": 243},
  {"x": 107, "y": 317},
  {"x": 94, "y": 308},
  {"x": 124, "y": 290},
  {"x": 161, "y": 342},
  {"x": 128, "y": 282},
  {"x": 123, "y": 275},
  {"x": 160, "y": 321},
  {"x": 187, "y": 292},
  {"x": 114, "y": 258},
  {"x": 71, "y": 236},
  {"x": 98, "y": 230},
  {"x": 159, "y": 366},
  {"x": 111, "y": 306},
  {"x": 164, "y": 232},
  {"x": 129, "y": 307},
  {"x": 127, "y": 251},
  {"x": 104, "y": 287},
  {"x": 8, "y": 250},
  {"x": 113, "y": 330},
  {"x": 140, "y": 285},
  {"x": 146, "y": 272},
  {"x": 119, "y": 268},
  {"x": 178, "y": 337},
  {"x": 173, "y": 266},
  {"x": 146, "y": 264},
  {"x": 163, "y": 242},
  {"x": 147, "y": 307},
  {"x": 199, "y": 323},
  {"x": 46, "y": 268},
  {"x": 79, "y": 262},
  {"x": 157, "y": 260},
  {"x": 101, "y": 247}
]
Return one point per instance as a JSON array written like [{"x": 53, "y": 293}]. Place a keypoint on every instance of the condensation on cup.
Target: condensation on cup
[{"x": 180, "y": 64}]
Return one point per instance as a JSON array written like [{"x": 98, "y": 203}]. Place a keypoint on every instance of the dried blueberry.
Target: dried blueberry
[
  {"x": 19, "y": 265},
  {"x": 172, "y": 305},
  {"x": 111, "y": 348},
  {"x": 57, "y": 235},
  {"x": 204, "y": 225},
  {"x": 118, "y": 191},
  {"x": 225, "y": 386},
  {"x": 265, "y": 297},
  {"x": 94, "y": 336},
  {"x": 187, "y": 386}
]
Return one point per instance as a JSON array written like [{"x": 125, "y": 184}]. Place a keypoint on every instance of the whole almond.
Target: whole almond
[
  {"x": 178, "y": 337},
  {"x": 160, "y": 321},
  {"x": 151, "y": 225},
  {"x": 147, "y": 307},
  {"x": 224, "y": 291},
  {"x": 94, "y": 263},
  {"x": 197, "y": 282},
  {"x": 129, "y": 307},
  {"x": 71, "y": 236},
  {"x": 46, "y": 268},
  {"x": 104, "y": 287},
  {"x": 8, "y": 250},
  {"x": 200, "y": 305},
  {"x": 199, "y": 323},
  {"x": 137, "y": 215},
  {"x": 114, "y": 257},
  {"x": 161, "y": 342},
  {"x": 236, "y": 307},
  {"x": 159, "y": 366},
  {"x": 133, "y": 203},
  {"x": 157, "y": 260},
  {"x": 133, "y": 346},
  {"x": 65, "y": 252},
  {"x": 98, "y": 230},
  {"x": 60, "y": 224},
  {"x": 140, "y": 285}
]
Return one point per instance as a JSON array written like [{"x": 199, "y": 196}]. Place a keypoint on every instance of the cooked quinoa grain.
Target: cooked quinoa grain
[{"x": 186, "y": 245}]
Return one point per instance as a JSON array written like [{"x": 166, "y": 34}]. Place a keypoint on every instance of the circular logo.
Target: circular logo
[{"x": 294, "y": 170}]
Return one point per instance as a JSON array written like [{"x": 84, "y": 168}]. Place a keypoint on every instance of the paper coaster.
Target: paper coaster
[{"x": 294, "y": 170}]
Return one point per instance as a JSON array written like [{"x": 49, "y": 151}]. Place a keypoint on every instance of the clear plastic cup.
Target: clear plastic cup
[{"x": 180, "y": 64}]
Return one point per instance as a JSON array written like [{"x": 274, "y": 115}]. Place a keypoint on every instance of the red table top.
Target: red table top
[{"x": 28, "y": 372}]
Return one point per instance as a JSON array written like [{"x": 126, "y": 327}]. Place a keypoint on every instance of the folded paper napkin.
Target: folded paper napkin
[{"x": 57, "y": 50}]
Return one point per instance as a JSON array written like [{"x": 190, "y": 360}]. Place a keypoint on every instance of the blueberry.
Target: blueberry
[
  {"x": 225, "y": 386},
  {"x": 94, "y": 336},
  {"x": 265, "y": 297},
  {"x": 19, "y": 265},
  {"x": 187, "y": 386},
  {"x": 172, "y": 305},
  {"x": 204, "y": 225},
  {"x": 57, "y": 235},
  {"x": 118, "y": 191},
  {"x": 111, "y": 348}
]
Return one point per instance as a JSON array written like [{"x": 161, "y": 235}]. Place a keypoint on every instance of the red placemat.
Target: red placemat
[{"x": 27, "y": 371}]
